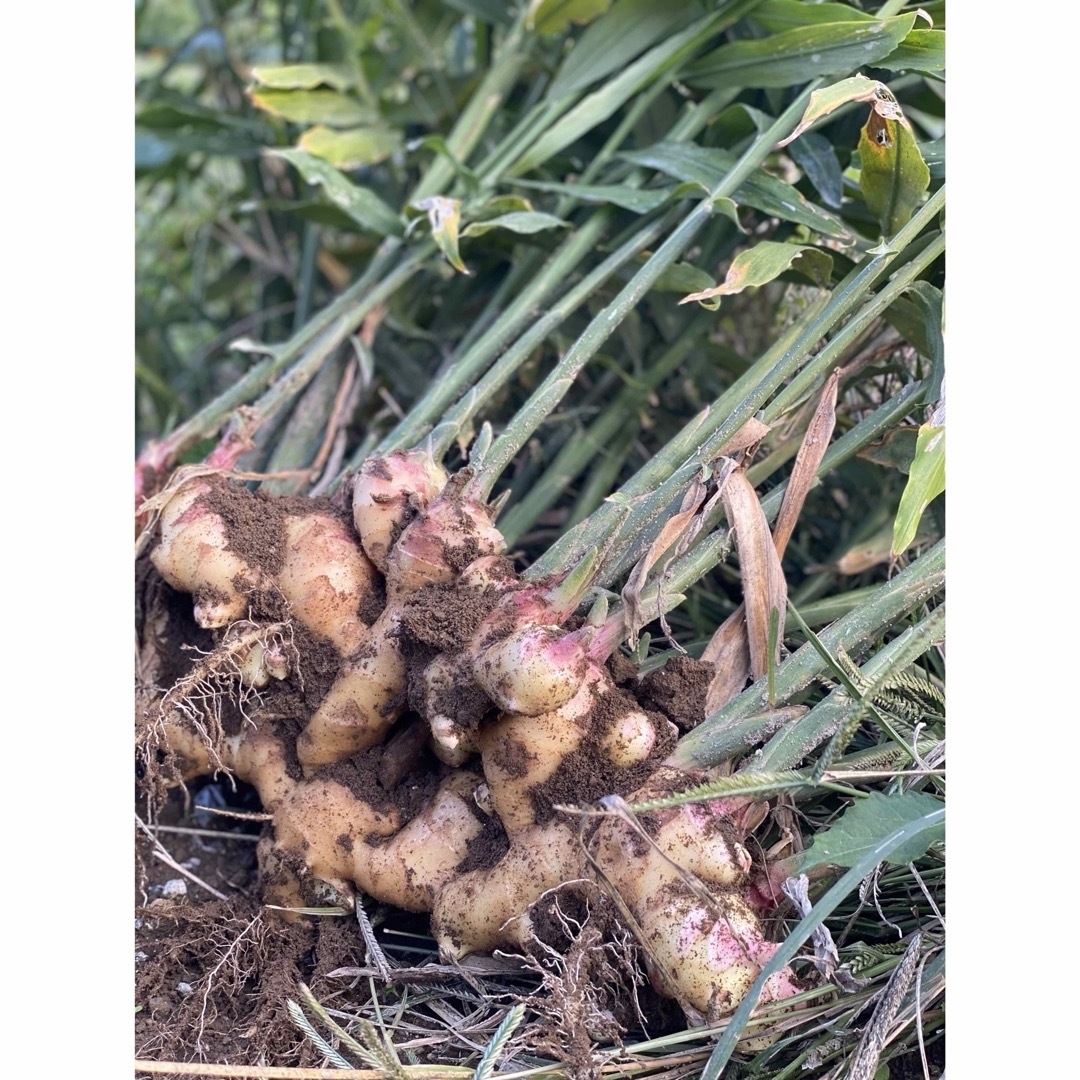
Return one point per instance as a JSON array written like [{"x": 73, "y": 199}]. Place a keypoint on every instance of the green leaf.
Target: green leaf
[
  {"x": 596, "y": 107},
  {"x": 444, "y": 216},
  {"x": 681, "y": 276},
  {"x": 895, "y": 451},
  {"x": 926, "y": 482},
  {"x": 893, "y": 175},
  {"x": 498, "y": 204},
  {"x": 621, "y": 195},
  {"x": 917, "y": 315},
  {"x": 777, "y": 15},
  {"x": 517, "y": 221},
  {"x": 797, "y": 56},
  {"x": 765, "y": 262},
  {"x": 362, "y": 205},
  {"x": 617, "y": 37},
  {"x": 867, "y": 822},
  {"x": 830, "y": 98},
  {"x": 709, "y": 165},
  {"x": 554, "y": 16},
  {"x": 305, "y": 76},
  {"x": 921, "y": 50},
  {"x": 313, "y": 107},
  {"x": 351, "y": 148},
  {"x": 814, "y": 154}
]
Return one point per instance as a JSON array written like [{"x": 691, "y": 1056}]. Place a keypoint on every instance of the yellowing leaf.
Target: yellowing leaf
[
  {"x": 763, "y": 263},
  {"x": 830, "y": 98},
  {"x": 554, "y": 16},
  {"x": 893, "y": 174},
  {"x": 305, "y": 76},
  {"x": 444, "y": 216},
  {"x": 352, "y": 148},
  {"x": 312, "y": 107}
]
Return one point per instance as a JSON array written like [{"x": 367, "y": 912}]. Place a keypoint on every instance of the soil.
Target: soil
[
  {"x": 587, "y": 775},
  {"x": 678, "y": 689}
]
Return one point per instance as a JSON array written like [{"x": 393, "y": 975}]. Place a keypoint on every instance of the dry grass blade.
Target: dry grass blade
[
  {"x": 764, "y": 587},
  {"x": 272, "y": 1072},
  {"x": 729, "y": 651},
  {"x": 864, "y": 1060},
  {"x": 673, "y": 528},
  {"x": 807, "y": 460},
  {"x": 729, "y": 647}
]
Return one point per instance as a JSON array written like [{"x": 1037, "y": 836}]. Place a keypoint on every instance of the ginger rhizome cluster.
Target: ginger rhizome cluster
[{"x": 413, "y": 714}]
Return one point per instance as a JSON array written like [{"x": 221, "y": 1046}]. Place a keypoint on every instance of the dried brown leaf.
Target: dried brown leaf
[
  {"x": 764, "y": 587},
  {"x": 729, "y": 651},
  {"x": 673, "y": 528},
  {"x": 807, "y": 460}
]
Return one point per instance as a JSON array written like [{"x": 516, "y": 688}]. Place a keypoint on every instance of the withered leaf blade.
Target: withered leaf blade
[
  {"x": 672, "y": 529},
  {"x": 807, "y": 460},
  {"x": 729, "y": 651},
  {"x": 764, "y": 587},
  {"x": 750, "y": 434}
]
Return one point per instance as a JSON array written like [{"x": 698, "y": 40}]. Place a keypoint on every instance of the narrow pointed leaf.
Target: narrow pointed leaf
[
  {"x": 313, "y": 107},
  {"x": 814, "y": 154},
  {"x": 867, "y": 822},
  {"x": 596, "y": 107},
  {"x": 921, "y": 50},
  {"x": 351, "y": 148},
  {"x": 617, "y": 37},
  {"x": 554, "y": 16},
  {"x": 362, "y": 205},
  {"x": 893, "y": 174},
  {"x": 517, "y": 221},
  {"x": 778, "y": 15},
  {"x": 304, "y": 76},
  {"x": 709, "y": 165},
  {"x": 765, "y": 262},
  {"x": 799, "y": 55},
  {"x": 621, "y": 195},
  {"x": 830, "y": 98},
  {"x": 926, "y": 482}
]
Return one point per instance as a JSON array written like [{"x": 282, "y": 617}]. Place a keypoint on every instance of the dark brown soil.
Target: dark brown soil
[
  {"x": 444, "y": 616},
  {"x": 587, "y": 775},
  {"x": 678, "y": 690}
]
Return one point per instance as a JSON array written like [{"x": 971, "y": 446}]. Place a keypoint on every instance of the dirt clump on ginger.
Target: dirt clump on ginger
[
  {"x": 586, "y": 774},
  {"x": 678, "y": 689}
]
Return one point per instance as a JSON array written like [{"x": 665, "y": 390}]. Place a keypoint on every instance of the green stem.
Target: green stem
[
  {"x": 458, "y": 418},
  {"x": 580, "y": 451},
  {"x": 711, "y": 429},
  {"x": 471, "y": 364},
  {"x": 725, "y": 733},
  {"x": 794, "y": 742},
  {"x": 551, "y": 391},
  {"x": 482, "y": 107}
]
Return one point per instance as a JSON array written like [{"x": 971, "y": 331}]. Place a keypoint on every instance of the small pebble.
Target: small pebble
[{"x": 174, "y": 889}]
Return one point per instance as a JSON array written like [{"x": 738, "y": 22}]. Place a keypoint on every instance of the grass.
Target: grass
[{"x": 587, "y": 197}]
